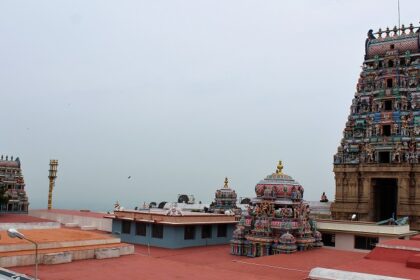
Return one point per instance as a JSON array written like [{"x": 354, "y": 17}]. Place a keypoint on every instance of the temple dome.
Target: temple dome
[
  {"x": 279, "y": 185},
  {"x": 226, "y": 192}
]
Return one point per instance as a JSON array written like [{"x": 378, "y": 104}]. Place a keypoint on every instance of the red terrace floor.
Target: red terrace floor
[
  {"x": 74, "y": 212},
  {"x": 20, "y": 218},
  {"x": 213, "y": 262}
]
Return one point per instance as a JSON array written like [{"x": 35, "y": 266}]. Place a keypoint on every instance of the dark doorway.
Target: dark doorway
[
  {"x": 385, "y": 196},
  {"x": 384, "y": 157},
  {"x": 389, "y": 83},
  {"x": 386, "y": 130},
  {"x": 388, "y": 105}
]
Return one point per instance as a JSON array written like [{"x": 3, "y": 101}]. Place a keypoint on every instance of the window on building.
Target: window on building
[
  {"x": 365, "y": 242},
  {"x": 126, "y": 227},
  {"x": 389, "y": 83},
  {"x": 189, "y": 232},
  {"x": 392, "y": 46},
  {"x": 384, "y": 157},
  {"x": 386, "y": 130},
  {"x": 328, "y": 239},
  {"x": 222, "y": 230},
  {"x": 206, "y": 231},
  {"x": 391, "y": 63},
  {"x": 157, "y": 231},
  {"x": 141, "y": 229},
  {"x": 388, "y": 105}
]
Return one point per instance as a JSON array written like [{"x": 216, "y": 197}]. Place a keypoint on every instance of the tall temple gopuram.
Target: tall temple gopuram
[
  {"x": 11, "y": 180},
  {"x": 376, "y": 167}
]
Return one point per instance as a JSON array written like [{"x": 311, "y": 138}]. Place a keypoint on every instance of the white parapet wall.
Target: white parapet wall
[
  {"x": 35, "y": 225},
  {"x": 102, "y": 224},
  {"x": 319, "y": 273},
  {"x": 363, "y": 227}
]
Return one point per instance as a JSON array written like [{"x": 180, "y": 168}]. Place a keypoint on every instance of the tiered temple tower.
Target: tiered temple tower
[
  {"x": 11, "y": 180},
  {"x": 225, "y": 199},
  {"x": 277, "y": 220},
  {"x": 376, "y": 167}
]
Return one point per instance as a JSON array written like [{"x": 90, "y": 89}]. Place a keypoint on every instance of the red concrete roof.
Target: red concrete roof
[
  {"x": 415, "y": 237},
  {"x": 212, "y": 262},
  {"x": 395, "y": 269},
  {"x": 81, "y": 213},
  {"x": 409, "y": 244},
  {"x": 20, "y": 218},
  {"x": 53, "y": 235}
]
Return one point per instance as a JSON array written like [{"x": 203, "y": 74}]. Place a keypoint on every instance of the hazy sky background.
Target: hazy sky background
[{"x": 179, "y": 94}]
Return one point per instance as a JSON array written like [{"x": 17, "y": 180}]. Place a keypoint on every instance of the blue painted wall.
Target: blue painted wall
[{"x": 173, "y": 236}]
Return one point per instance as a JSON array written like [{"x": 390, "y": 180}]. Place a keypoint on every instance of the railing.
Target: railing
[{"x": 396, "y": 31}]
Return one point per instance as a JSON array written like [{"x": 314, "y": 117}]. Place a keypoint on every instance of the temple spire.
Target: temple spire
[
  {"x": 226, "y": 183},
  {"x": 279, "y": 169}
]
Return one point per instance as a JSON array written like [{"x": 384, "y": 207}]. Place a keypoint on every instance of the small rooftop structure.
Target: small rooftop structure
[
  {"x": 358, "y": 235},
  {"x": 173, "y": 228}
]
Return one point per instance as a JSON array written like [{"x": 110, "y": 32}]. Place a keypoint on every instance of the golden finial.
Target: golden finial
[
  {"x": 279, "y": 169},
  {"x": 226, "y": 183}
]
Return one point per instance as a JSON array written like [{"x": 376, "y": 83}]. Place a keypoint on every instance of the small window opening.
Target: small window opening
[
  {"x": 328, "y": 239},
  {"x": 206, "y": 231},
  {"x": 365, "y": 243},
  {"x": 384, "y": 157},
  {"x": 391, "y": 63},
  {"x": 386, "y": 130},
  {"x": 222, "y": 230},
  {"x": 388, "y": 105},
  {"x": 157, "y": 231},
  {"x": 126, "y": 227},
  {"x": 141, "y": 229},
  {"x": 392, "y": 46},
  {"x": 189, "y": 232},
  {"x": 380, "y": 64},
  {"x": 389, "y": 83}
]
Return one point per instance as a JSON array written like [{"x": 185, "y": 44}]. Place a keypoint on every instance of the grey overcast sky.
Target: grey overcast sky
[{"x": 179, "y": 94}]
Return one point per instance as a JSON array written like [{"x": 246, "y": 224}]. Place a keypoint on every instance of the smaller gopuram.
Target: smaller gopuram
[
  {"x": 277, "y": 220},
  {"x": 225, "y": 199},
  {"x": 13, "y": 185}
]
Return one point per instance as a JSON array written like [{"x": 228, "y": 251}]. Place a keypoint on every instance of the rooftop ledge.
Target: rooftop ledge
[
  {"x": 160, "y": 216},
  {"x": 364, "y": 228}
]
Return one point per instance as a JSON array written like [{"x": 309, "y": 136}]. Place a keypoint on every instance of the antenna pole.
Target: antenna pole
[{"x": 399, "y": 22}]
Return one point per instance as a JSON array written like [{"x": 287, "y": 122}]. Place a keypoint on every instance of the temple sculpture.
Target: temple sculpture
[
  {"x": 277, "y": 220},
  {"x": 376, "y": 166},
  {"x": 13, "y": 186}
]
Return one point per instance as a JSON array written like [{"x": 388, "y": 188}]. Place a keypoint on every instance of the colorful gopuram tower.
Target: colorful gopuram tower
[
  {"x": 11, "y": 181},
  {"x": 277, "y": 220},
  {"x": 377, "y": 171},
  {"x": 225, "y": 199}
]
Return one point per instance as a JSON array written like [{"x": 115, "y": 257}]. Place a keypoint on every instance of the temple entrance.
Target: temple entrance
[{"x": 385, "y": 196}]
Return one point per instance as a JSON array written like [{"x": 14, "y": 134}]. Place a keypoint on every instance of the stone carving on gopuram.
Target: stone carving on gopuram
[
  {"x": 377, "y": 164},
  {"x": 277, "y": 220}
]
